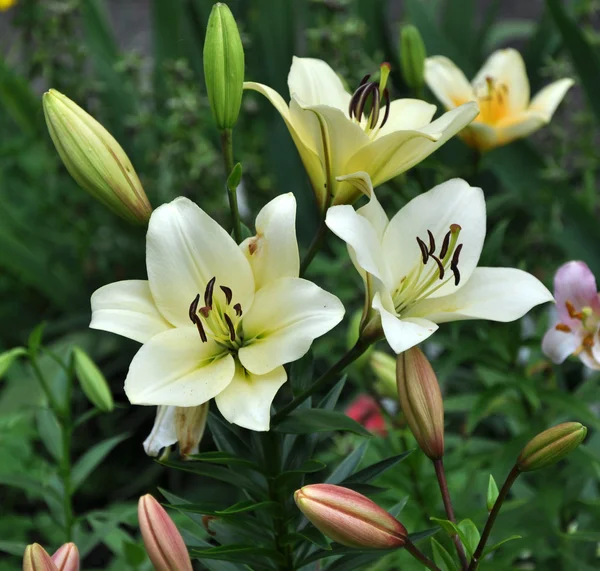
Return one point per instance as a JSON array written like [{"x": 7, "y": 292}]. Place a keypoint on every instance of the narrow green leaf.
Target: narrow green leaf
[
  {"x": 309, "y": 421},
  {"x": 28, "y": 484},
  {"x": 348, "y": 465},
  {"x": 450, "y": 528},
  {"x": 218, "y": 457},
  {"x": 371, "y": 472},
  {"x": 511, "y": 538},
  {"x": 421, "y": 535},
  {"x": 13, "y": 547},
  {"x": 50, "y": 432},
  {"x": 396, "y": 509},
  {"x": 9, "y": 357},
  {"x": 441, "y": 557},
  {"x": 237, "y": 553},
  {"x": 470, "y": 535},
  {"x": 313, "y": 535},
  {"x": 492, "y": 493},
  {"x": 301, "y": 373},
  {"x": 35, "y": 337},
  {"x": 331, "y": 398}
]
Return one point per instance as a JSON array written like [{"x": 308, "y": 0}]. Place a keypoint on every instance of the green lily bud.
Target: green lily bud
[
  {"x": 421, "y": 401},
  {"x": 350, "y": 518},
  {"x": 92, "y": 381},
  {"x": 94, "y": 158},
  {"x": 551, "y": 446},
  {"x": 412, "y": 57},
  {"x": 383, "y": 366},
  {"x": 223, "y": 66},
  {"x": 35, "y": 558}
]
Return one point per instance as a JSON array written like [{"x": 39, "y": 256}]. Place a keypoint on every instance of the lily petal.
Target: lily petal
[
  {"x": 176, "y": 368},
  {"x": 447, "y": 82},
  {"x": 519, "y": 126},
  {"x": 127, "y": 308},
  {"x": 558, "y": 345},
  {"x": 407, "y": 114},
  {"x": 497, "y": 294},
  {"x": 549, "y": 98},
  {"x": 163, "y": 432},
  {"x": 575, "y": 283},
  {"x": 247, "y": 400},
  {"x": 273, "y": 252},
  {"x": 187, "y": 248},
  {"x": 480, "y": 136},
  {"x": 286, "y": 317}
]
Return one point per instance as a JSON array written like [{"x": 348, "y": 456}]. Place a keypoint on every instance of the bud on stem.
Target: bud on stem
[
  {"x": 35, "y": 558},
  {"x": 66, "y": 557},
  {"x": 412, "y": 57}
]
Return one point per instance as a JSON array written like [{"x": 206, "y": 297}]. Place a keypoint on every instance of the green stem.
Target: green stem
[
  {"x": 52, "y": 402},
  {"x": 314, "y": 247},
  {"x": 227, "y": 149},
  {"x": 510, "y": 480},
  {"x": 441, "y": 477},
  {"x": 420, "y": 556}
]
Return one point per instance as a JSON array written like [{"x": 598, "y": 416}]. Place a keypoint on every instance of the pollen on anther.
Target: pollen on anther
[
  {"x": 573, "y": 313},
  {"x": 563, "y": 327}
]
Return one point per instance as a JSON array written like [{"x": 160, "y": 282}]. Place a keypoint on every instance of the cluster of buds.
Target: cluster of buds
[{"x": 36, "y": 558}]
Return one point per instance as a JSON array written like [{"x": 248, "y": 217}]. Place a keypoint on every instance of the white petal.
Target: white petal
[
  {"x": 506, "y": 68},
  {"x": 286, "y": 317},
  {"x": 402, "y": 333},
  {"x": 185, "y": 249},
  {"x": 176, "y": 368},
  {"x": 247, "y": 400},
  {"x": 273, "y": 252},
  {"x": 127, "y": 308},
  {"x": 452, "y": 202},
  {"x": 497, "y": 294},
  {"x": 549, "y": 98},
  {"x": 447, "y": 82},
  {"x": 315, "y": 83},
  {"x": 407, "y": 114},
  {"x": 558, "y": 345},
  {"x": 163, "y": 432}
]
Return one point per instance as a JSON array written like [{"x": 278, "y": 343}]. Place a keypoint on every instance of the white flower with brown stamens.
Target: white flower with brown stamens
[
  {"x": 420, "y": 268},
  {"x": 216, "y": 320}
]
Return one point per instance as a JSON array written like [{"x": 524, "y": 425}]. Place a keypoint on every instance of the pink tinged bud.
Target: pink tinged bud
[
  {"x": 421, "y": 401},
  {"x": 551, "y": 446},
  {"x": 66, "y": 557},
  {"x": 163, "y": 542},
  {"x": 349, "y": 518},
  {"x": 36, "y": 559}
]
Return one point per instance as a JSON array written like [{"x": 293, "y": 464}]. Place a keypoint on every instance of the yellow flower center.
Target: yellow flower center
[{"x": 492, "y": 100}]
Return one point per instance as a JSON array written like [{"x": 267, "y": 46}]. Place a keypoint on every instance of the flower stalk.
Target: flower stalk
[{"x": 227, "y": 149}]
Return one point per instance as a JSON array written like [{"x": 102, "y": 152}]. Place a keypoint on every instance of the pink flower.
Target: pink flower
[
  {"x": 366, "y": 410},
  {"x": 578, "y": 306}
]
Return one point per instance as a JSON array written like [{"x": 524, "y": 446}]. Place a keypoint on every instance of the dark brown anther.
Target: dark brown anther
[
  {"x": 228, "y": 293},
  {"x": 201, "y": 330},
  {"x": 424, "y": 251},
  {"x": 238, "y": 309},
  {"x": 445, "y": 245},
  {"x": 193, "y": 309},
  {"x": 363, "y": 97},
  {"x": 386, "y": 114},
  {"x": 454, "y": 264},
  {"x": 208, "y": 293},
  {"x": 431, "y": 242},
  {"x": 230, "y": 326},
  {"x": 374, "y": 114},
  {"x": 440, "y": 266},
  {"x": 354, "y": 100}
]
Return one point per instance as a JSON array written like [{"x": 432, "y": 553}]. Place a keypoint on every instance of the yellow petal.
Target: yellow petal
[
  {"x": 447, "y": 82},
  {"x": 549, "y": 98}
]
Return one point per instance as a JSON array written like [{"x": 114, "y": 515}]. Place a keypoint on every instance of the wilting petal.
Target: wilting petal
[
  {"x": 163, "y": 432},
  {"x": 558, "y": 345},
  {"x": 127, "y": 308},
  {"x": 447, "y": 82},
  {"x": 497, "y": 294},
  {"x": 286, "y": 317},
  {"x": 247, "y": 400},
  {"x": 315, "y": 83},
  {"x": 549, "y": 98},
  {"x": 190, "y": 422},
  {"x": 575, "y": 283},
  {"x": 185, "y": 249},
  {"x": 176, "y": 368},
  {"x": 407, "y": 114},
  {"x": 273, "y": 252},
  {"x": 452, "y": 202}
]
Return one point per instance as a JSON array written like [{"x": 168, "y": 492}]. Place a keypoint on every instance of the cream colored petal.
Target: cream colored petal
[
  {"x": 175, "y": 368},
  {"x": 480, "y": 136},
  {"x": 247, "y": 400},
  {"x": 506, "y": 68},
  {"x": 286, "y": 317},
  {"x": 127, "y": 308},
  {"x": 447, "y": 82},
  {"x": 407, "y": 114},
  {"x": 315, "y": 83},
  {"x": 519, "y": 126},
  {"x": 549, "y": 98},
  {"x": 163, "y": 432},
  {"x": 273, "y": 251}
]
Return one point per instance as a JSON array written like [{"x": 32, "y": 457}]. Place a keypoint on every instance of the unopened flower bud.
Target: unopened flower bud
[
  {"x": 94, "y": 158},
  {"x": 223, "y": 66},
  {"x": 36, "y": 559},
  {"x": 66, "y": 557},
  {"x": 551, "y": 446},
  {"x": 92, "y": 381},
  {"x": 162, "y": 540},
  {"x": 421, "y": 401},
  {"x": 412, "y": 56},
  {"x": 383, "y": 366},
  {"x": 350, "y": 518}
]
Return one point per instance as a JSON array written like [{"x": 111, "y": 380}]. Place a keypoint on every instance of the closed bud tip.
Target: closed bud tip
[
  {"x": 421, "y": 401},
  {"x": 412, "y": 56},
  {"x": 92, "y": 381},
  {"x": 551, "y": 446},
  {"x": 383, "y": 366},
  {"x": 349, "y": 518},
  {"x": 66, "y": 557},
  {"x": 35, "y": 558}
]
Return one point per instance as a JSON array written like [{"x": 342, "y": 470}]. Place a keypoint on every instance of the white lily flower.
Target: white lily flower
[
  {"x": 216, "y": 320},
  {"x": 335, "y": 136},
  {"x": 420, "y": 268},
  {"x": 501, "y": 88}
]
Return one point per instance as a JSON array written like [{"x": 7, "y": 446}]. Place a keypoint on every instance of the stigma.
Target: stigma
[{"x": 368, "y": 98}]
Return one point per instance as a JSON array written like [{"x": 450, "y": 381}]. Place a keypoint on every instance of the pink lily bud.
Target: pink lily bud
[
  {"x": 163, "y": 542},
  {"x": 36, "y": 559},
  {"x": 349, "y": 517},
  {"x": 366, "y": 410},
  {"x": 66, "y": 557}
]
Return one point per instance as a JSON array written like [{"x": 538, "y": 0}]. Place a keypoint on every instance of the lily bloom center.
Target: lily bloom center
[
  {"x": 589, "y": 325},
  {"x": 492, "y": 97},
  {"x": 435, "y": 269},
  {"x": 367, "y": 101},
  {"x": 219, "y": 318}
]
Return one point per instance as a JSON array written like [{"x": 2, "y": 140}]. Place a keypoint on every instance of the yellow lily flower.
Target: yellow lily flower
[
  {"x": 337, "y": 133},
  {"x": 501, "y": 89},
  {"x": 6, "y": 5}
]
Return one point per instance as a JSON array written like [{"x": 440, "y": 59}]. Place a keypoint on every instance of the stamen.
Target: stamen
[
  {"x": 440, "y": 265},
  {"x": 588, "y": 340},
  {"x": 454, "y": 264},
  {"x": 445, "y": 244},
  {"x": 208, "y": 293},
  {"x": 238, "y": 309},
  {"x": 431, "y": 242},
  {"x": 201, "y": 330},
  {"x": 424, "y": 251},
  {"x": 562, "y": 327},
  {"x": 194, "y": 308},
  {"x": 230, "y": 326},
  {"x": 573, "y": 313},
  {"x": 386, "y": 113},
  {"x": 374, "y": 115},
  {"x": 228, "y": 293}
]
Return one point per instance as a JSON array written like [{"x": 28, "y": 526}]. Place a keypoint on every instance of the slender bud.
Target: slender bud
[
  {"x": 66, "y": 557},
  {"x": 383, "y": 366},
  {"x": 223, "y": 66},
  {"x": 412, "y": 56},
  {"x": 421, "y": 401},
  {"x": 36, "y": 559},
  {"x": 350, "y": 518},
  {"x": 163, "y": 542},
  {"x": 551, "y": 446},
  {"x": 92, "y": 381},
  {"x": 190, "y": 423},
  {"x": 94, "y": 158}
]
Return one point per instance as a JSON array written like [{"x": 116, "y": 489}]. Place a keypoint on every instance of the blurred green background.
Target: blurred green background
[{"x": 137, "y": 67}]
